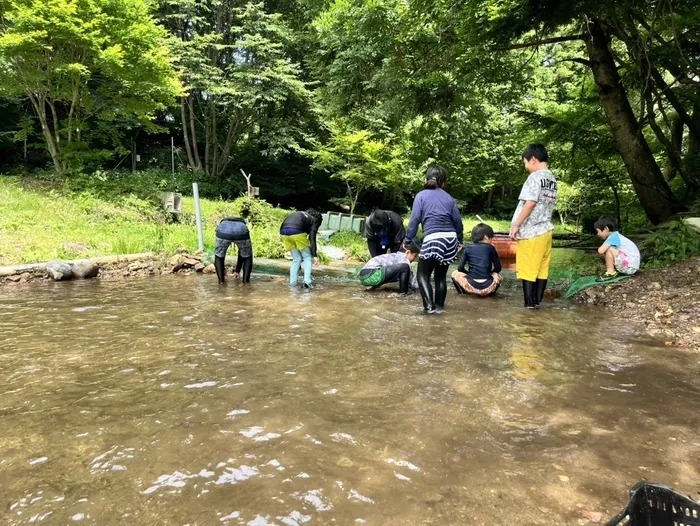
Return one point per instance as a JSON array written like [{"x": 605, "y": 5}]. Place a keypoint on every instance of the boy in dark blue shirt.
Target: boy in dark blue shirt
[{"x": 483, "y": 277}]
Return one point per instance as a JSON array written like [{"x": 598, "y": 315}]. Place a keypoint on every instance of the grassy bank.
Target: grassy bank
[{"x": 40, "y": 221}]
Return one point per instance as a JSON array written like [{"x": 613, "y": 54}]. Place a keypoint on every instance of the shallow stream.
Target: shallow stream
[{"x": 173, "y": 401}]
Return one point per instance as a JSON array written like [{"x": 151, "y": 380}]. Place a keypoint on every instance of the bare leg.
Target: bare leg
[{"x": 610, "y": 260}]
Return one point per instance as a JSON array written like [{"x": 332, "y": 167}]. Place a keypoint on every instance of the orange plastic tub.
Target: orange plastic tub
[{"x": 505, "y": 246}]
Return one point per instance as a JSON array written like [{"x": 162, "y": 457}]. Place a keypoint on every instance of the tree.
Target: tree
[
  {"x": 363, "y": 162},
  {"x": 605, "y": 29},
  {"x": 81, "y": 61},
  {"x": 239, "y": 81},
  {"x": 403, "y": 74}
]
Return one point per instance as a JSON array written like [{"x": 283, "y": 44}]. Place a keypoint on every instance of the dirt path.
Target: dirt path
[{"x": 667, "y": 301}]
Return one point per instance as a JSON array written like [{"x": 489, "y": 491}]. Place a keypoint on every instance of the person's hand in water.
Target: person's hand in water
[
  {"x": 236, "y": 275},
  {"x": 316, "y": 262}
]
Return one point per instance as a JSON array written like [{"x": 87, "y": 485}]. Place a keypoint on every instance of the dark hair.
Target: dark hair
[
  {"x": 536, "y": 150},
  {"x": 606, "y": 221},
  {"x": 480, "y": 231},
  {"x": 435, "y": 177},
  {"x": 381, "y": 218},
  {"x": 315, "y": 215},
  {"x": 414, "y": 247}
]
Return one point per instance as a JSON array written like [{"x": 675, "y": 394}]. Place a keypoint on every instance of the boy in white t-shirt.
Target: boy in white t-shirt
[
  {"x": 532, "y": 225},
  {"x": 621, "y": 255}
]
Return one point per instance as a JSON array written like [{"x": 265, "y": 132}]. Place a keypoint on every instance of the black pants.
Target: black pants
[
  {"x": 375, "y": 247},
  {"x": 400, "y": 273},
  {"x": 426, "y": 267},
  {"x": 244, "y": 266}
]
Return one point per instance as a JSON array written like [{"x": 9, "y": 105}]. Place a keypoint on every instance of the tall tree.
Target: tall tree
[
  {"x": 240, "y": 81},
  {"x": 364, "y": 162},
  {"x": 604, "y": 29},
  {"x": 78, "y": 61}
]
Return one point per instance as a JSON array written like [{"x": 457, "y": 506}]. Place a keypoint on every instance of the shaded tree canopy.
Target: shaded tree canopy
[{"x": 345, "y": 102}]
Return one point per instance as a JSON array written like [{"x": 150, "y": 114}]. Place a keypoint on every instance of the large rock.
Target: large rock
[
  {"x": 189, "y": 261},
  {"x": 59, "y": 271},
  {"x": 176, "y": 262},
  {"x": 85, "y": 270},
  {"x": 199, "y": 267},
  {"x": 210, "y": 269}
]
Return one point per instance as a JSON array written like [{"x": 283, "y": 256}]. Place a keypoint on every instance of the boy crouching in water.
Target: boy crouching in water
[
  {"x": 621, "y": 255},
  {"x": 484, "y": 275},
  {"x": 391, "y": 268}
]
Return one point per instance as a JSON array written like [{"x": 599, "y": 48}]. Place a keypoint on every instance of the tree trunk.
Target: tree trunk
[
  {"x": 652, "y": 189},
  {"x": 207, "y": 141},
  {"x": 692, "y": 158},
  {"x": 489, "y": 199},
  {"x": 39, "y": 105},
  {"x": 675, "y": 163},
  {"x": 670, "y": 95},
  {"x": 185, "y": 135},
  {"x": 677, "y": 144},
  {"x": 231, "y": 137},
  {"x": 193, "y": 134},
  {"x": 353, "y": 197}
]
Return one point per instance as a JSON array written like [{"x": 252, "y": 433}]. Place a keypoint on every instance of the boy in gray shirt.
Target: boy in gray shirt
[{"x": 532, "y": 225}]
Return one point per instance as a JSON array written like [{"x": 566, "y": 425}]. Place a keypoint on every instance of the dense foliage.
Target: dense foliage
[{"x": 343, "y": 103}]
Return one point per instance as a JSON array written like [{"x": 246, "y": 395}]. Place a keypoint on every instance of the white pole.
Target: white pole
[
  {"x": 172, "y": 153},
  {"x": 198, "y": 213}
]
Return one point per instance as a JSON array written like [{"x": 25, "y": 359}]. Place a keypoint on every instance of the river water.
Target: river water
[{"x": 173, "y": 401}]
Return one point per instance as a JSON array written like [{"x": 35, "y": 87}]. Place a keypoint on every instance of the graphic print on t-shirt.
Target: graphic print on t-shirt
[{"x": 541, "y": 187}]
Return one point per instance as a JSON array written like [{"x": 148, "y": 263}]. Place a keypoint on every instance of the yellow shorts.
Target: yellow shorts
[
  {"x": 533, "y": 257},
  {"x": 298, "y": 241}
]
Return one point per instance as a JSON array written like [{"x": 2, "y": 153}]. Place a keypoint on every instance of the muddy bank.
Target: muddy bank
[{"x": 665, "y": 301}]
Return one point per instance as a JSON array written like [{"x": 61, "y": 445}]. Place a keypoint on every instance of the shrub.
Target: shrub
[
  {"x": 671, "y": 243},
  {"x": 355, "y": 244}
]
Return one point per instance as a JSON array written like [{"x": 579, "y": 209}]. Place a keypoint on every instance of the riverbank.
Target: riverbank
[{"x": 666, "y": 301}]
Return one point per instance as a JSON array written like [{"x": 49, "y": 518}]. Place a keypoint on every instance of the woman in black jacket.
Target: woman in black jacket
[{"x": 384, "y": 231}]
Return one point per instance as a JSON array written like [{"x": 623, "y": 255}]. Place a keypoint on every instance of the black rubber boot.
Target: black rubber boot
[
  {"x": 458, "y": 287},
  {"x": 425, "y": 269},
  {"x": 529, "y": 293},
  {"x": 540, "y": 287},
  {"x": 247, "y": 269},
  {"x": 404, "y": 280},
  {"x": 220, "y": 266},
  {"x": 440, "y": 286}
]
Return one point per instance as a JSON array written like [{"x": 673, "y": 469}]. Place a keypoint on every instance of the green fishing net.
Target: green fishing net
[
  {"x": 587, "y": 282},
  {"x": 374, "y": 279}
]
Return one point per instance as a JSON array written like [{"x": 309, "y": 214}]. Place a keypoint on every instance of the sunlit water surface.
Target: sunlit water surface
[{"x": 173, "y": 401}]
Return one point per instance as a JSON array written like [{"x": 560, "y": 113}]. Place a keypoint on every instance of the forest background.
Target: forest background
[{"x": 342, "y": 104}]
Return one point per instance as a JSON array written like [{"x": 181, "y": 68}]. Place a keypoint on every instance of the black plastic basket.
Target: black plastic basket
[{"x": 657, "y": 505}]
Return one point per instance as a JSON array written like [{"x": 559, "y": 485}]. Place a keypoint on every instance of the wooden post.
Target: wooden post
[{"x": 247, "y": 180}]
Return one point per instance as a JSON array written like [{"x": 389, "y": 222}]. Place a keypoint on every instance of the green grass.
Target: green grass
[
  {"x": 354, "y": 244},
  {"x": 503, "y": 225},
  {"x": 568, "y": 264},
  {"x": 36, "y": 221}
]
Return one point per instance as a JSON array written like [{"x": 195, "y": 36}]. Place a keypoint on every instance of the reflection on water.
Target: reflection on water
[{"x": 171, "y": 401}]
